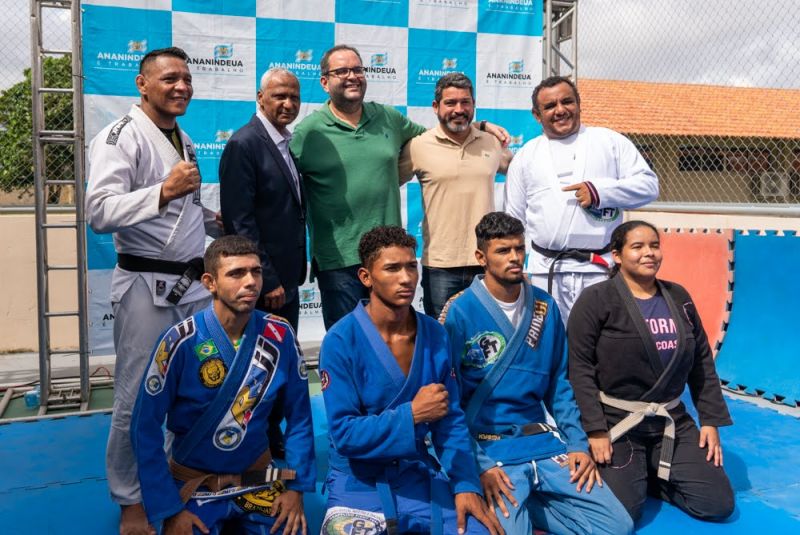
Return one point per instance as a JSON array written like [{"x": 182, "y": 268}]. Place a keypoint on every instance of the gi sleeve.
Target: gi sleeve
[
  {"x": 515, "y": 195},
  {"x": 559, "y": 398},
  {"x": 112, "y": 201},
  {"x": 450, "y": 435},
  {"x": 353, "y": 433},
  {"x": 237, "y": 193},
  {"x": 299, "y": 434},
  {"x": 585, "y": 325},
  {"x": 457, "y": 337},
  {"x": 159, "y": 493},
  {"x": 703, "y": 380},
  {"x": 635, "y": 184}
]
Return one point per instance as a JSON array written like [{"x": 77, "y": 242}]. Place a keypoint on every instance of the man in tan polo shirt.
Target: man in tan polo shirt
[{"x": 456, "y": 166}]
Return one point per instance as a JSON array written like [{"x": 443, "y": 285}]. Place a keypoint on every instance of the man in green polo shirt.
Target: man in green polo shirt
[{"x": 347, "y": 153}]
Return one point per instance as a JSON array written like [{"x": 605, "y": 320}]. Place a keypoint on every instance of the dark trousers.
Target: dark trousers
[
  {"x": 440, "y": 284},
  {"x": 291, "y": 312},
  {"x": 695, "y": 485},
  {"x": 290, "y": 309},
  {"x": 340, "y": 291}
]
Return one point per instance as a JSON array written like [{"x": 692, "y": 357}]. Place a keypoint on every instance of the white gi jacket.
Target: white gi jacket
[
  {"x": 553, "y": 218},
  {"x": 128, "y": 161}
]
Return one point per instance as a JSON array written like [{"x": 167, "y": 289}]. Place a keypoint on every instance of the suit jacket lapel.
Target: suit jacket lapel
[{"x": 277, "y": 156}]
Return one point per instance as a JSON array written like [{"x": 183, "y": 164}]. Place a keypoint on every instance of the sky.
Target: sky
[{"x": 721, "y": 42}]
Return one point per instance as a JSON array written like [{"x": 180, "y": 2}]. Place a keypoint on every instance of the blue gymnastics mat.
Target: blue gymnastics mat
[
  {"x": 52, "y": 477},
  {"x": 759, "y": 354}
]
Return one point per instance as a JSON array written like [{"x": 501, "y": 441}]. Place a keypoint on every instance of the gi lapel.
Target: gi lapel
[
  {"x": 515, "y": 341},
  {"x": 674, "y": 361},
  {"x": 579, "y": 171},
  {"x": 632, "y": 308},
  {"x": 239, "y": 364},
  {"x": 169, "y": 157},
  {"x": 379, "y": 347},
  {"x": 165, "y": 150}
]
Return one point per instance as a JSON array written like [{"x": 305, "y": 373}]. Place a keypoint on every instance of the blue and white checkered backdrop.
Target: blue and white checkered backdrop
[{"x": 406, "y": 45}]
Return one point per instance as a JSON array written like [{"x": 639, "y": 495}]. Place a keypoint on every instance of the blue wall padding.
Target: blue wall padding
[
  {"x": 52, "y": 477},
  {"x": 760, "y": 349}
]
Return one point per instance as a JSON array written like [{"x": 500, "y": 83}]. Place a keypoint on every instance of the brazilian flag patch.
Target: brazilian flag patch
[{"x": 205, "y": 350}]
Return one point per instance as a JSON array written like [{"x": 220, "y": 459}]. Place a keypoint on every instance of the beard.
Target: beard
[{"x": 450, "y": 124}]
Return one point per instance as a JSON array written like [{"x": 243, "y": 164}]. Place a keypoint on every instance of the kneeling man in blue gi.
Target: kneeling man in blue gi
[
  {"x": 388, "y": 383},
  {"x": 509, "y": 351},
  {"x": 215, "y": 377}
]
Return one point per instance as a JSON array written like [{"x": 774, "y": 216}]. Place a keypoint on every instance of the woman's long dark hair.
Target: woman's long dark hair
[{"x": 620, "y": 236}]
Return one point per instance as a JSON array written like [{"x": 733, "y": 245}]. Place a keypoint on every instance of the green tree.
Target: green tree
[{"x": 16, "y": 130}]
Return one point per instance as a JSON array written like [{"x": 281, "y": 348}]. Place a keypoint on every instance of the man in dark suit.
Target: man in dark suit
[{"x": 261, "y": 193}]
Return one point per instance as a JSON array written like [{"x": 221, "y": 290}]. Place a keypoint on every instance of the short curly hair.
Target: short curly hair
[
  {"x": 496, "y": 225},
  {"x": 369, "y": 248}
]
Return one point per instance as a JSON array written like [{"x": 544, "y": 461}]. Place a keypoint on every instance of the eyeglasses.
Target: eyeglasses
[{"x": 344, "y": 72}]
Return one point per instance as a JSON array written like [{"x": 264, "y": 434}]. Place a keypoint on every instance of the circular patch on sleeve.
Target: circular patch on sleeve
[
  {"x": 302, "y": 368},
  {"x": 212, "y": 372}
]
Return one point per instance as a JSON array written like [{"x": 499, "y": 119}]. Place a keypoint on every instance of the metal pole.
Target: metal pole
[
  {"x": 547, "y": 37},
  {"x": 574, "y": 35},
  {"x": 80, "y": 218},
  {"x": 40, "y": 200}
]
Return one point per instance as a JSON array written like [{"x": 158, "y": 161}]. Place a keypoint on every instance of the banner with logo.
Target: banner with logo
[{"x": 406, "y": 45}]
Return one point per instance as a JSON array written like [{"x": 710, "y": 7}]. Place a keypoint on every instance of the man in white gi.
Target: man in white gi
[
  {"x": 569, "y": 186},
  {"x": 144, "y": 186}
]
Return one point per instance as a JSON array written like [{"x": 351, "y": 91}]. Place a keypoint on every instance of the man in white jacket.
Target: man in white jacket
[
  {"x": 144, "y": 186},
  {"x": 569, "y": 186}
]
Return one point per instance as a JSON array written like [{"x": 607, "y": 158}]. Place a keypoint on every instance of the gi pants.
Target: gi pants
[
  {"x": 548, "y": 501},
  {"x": 567, "y": 287},
  {"x": 355, "y": 503},
  {"x": 137, "y": 325},
  {"x": 695, "y": 485}
]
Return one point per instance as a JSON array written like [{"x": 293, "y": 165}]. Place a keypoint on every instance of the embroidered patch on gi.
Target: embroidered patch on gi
[
  {"x": 227, "y": 438},
  {"x": 324, "y": 380},
  {"x": 213, "y": 372},
  {"x": 537, "y": 322},
  {"x": 347, "y": 521},
  {"x": 603, "y": 214},
  {"x": 205, "y": 350},
  {"x": 259, "y": 376},
  {"x": 161, "y": 287},
  {"x": 302, "y": 368},
  {"x": 274, "y": 331},
  {"x": 561, "y": 460},
  {"x": 483, "y": 349},
  {"x": 262, "y": 500},
  {"x": 116, "y": 130},
  {"x": 157, "y": 371}
]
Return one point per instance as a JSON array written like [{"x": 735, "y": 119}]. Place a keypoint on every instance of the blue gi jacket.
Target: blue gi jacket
[
  {"x": 481, "y": 336},
  {"x": 368, "y": 402},
  {"x": 193, "y": 362}
]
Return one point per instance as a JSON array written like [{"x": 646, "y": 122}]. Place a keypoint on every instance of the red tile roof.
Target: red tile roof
[{"x": 690, "y": 110}]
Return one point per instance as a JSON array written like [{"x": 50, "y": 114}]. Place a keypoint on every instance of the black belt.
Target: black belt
[
  {"x": 536, "y": 428},
  {"x": 581, "y": 255},
  {"x": 189, "y": 271}
]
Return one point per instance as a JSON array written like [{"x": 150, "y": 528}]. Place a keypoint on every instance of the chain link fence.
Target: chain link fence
[
  {"x": 709, "y": 91},
  {"x": 16, "y": 147}
]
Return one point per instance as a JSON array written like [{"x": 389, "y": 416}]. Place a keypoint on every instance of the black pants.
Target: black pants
[{"x": 695, "y": 485}]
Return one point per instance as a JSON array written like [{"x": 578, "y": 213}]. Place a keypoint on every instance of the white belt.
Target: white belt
[{"x": 639, "y": 410}]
